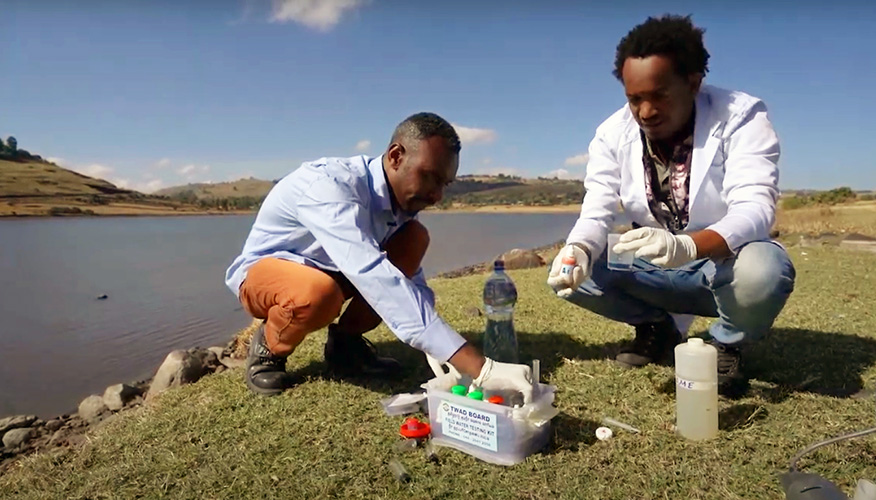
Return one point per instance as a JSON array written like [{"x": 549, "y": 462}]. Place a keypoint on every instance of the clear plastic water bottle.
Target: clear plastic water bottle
[{"x": 500, "y": 295}]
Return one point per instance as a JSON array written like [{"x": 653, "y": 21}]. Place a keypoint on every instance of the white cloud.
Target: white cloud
[
  {"x": 363, "y": 145},
  {"x": 580, "y": 159},
  {"x": 95, "y": 170},
  {"x": 57, "y": 161},
  {"x": 163, "y": 163},
  {"x": 191, "y": 170},
  {"x": 486, "y": 161},
  {"x": 143, "y": 187},
  {"x": 151, "y": 186},
  {"x": 562, "y": 173},
  {"x": 321, "y": 15},
  {"x": 148, "y": 183},
  {"x": 471, "y": 135}
]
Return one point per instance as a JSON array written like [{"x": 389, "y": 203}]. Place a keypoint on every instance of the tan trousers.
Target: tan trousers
[{"x": 296, "y": 300}]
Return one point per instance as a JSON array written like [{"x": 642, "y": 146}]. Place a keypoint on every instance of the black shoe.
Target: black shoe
[
  {"x": 265, "y": 371},
  {"x": 731, "y": 381},
  {"x": 353, "y": 355},
  {"x": 654, "y": 343}
]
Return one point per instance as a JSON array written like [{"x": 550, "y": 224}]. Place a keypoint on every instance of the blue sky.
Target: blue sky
[{"x": 149, "y": 94}]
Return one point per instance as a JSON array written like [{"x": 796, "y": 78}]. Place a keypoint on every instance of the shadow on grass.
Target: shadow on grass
[
  {"x": 793, "y": 360},
  {"x": 569, "y": 433},
  {"x": 798, "y": 360},
  {"x": 740, "y": 416},
  {"x": 550, "y": 348}
]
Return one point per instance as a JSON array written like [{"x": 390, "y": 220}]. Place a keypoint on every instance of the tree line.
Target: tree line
[
  {"x": 833, "y": 197},
  {"x": 189, "y": 197},
  {"x": 9, "y": 150}
]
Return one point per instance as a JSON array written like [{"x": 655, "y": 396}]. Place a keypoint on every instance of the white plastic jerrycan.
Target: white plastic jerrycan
[{"x": 696, "y": 389}]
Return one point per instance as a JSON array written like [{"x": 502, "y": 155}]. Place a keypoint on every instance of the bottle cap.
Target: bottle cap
[
  {"x": 499, "y": 265},
  {"x": 414, "y": 429},
  {"x": 459, "y": 390},
  {"x": 603, "y": 433},
  {"x": 496, "y": 400},
  {"x": 478, "y": 395}
]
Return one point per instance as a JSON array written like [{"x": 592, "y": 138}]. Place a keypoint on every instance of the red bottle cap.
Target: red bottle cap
[
  {"x": 496, "y": 400},
  {"x": 414, "y": 429}
]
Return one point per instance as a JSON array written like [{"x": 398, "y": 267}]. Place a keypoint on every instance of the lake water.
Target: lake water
[{"x": 164, "y": 281}]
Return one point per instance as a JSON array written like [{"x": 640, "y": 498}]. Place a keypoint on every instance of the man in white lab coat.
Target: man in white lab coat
[{"x": 694, "y": 169}]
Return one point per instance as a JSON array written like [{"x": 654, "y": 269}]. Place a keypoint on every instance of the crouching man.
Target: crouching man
[
  {"x": 694, "y": 169},
  {"x": 345, "y": 229}
]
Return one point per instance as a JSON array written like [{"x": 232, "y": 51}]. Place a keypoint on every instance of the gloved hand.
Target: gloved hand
[
  {"x": 496, "y": 376},
  {"x": 565, "y": 284},
  {"x": 658, "y": 246}
]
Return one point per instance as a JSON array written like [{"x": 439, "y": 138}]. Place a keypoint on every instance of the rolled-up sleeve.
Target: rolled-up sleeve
[
  {"x": 751, "y": 180},
  {"x": 342, "y": 225}
]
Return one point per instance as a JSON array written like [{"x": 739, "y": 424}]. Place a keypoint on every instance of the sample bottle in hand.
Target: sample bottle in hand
[{"x": 569, "y": 263}]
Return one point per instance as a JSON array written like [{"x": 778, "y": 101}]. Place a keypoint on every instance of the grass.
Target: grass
[
  {"x": 858, "y": 217},
  {"x": 328, "y": 438}
]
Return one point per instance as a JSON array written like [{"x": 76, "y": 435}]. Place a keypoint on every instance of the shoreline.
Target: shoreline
[
  {"x": 96, "y": 211},
  {"x": 68, "y": 429},
  {"x": 509, "y": 209}
]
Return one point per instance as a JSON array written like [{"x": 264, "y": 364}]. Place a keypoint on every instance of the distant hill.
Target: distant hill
[
  {"x": 467, "y": 190},
  {"x": 43, "y": 179},
  {"x": 511, "y": 190},
  {"x": 32, "y": 186},
  {"x": 256, "y": 188}
]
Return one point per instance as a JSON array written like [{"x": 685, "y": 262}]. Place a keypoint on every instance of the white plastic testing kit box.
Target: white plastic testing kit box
[{"x": 494, "y": 433}]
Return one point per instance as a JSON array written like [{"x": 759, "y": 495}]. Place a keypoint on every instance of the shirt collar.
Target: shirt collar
[{"x": 379, "y": 187}]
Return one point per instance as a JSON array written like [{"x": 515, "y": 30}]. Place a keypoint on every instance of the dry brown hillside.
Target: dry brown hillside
[
  {"x": 34, "y": 178},
  {"x": 36, "y": 187}
]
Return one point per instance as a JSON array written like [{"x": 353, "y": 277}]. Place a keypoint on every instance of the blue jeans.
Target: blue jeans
[{"x": 746, "y": 292}]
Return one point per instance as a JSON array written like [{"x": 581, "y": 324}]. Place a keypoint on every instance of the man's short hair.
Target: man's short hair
[
  {"x": 672, "y": 36},
  {"x": 422, "y": 126}
]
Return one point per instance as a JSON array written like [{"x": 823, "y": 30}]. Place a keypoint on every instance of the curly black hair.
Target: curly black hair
[
  {"x": 421, "y": 126},
  {"x": 669, "y": 35}
]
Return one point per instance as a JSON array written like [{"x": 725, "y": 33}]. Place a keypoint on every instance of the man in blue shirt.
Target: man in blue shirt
[{"x": 339, "y": 229}]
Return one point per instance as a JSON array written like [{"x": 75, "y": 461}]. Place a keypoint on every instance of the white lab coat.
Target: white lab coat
[{"x": 733, "y": 179}]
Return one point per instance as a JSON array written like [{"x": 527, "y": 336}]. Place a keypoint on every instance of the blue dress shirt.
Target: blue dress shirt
[{"x": 335, "y": 214}]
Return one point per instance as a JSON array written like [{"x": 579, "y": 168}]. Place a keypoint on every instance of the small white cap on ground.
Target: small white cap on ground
[{"x": 603, "y": 433}]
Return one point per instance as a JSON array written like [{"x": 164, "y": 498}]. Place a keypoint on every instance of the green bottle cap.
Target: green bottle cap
[
  {"x": 476, "y": 395},
  {"x": 459, "y": 390}
]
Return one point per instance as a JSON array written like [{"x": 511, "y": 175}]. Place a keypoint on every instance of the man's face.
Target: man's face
[
  {"x": 420, "y": 172},
  {"x": 660, "y": 99}
]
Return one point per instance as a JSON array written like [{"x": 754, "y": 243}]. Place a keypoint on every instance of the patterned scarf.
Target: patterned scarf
[{"x": 669, "y": 204}]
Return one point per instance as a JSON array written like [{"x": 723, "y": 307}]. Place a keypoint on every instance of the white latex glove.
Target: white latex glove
[
  {"x": 658, "y": 246},
  {"x": 496, "y": 376},
  {"x": 438, "y": 367},
  {"x": 566, "y": 283}
]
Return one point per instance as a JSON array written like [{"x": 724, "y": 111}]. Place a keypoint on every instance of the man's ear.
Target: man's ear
[{"x": 394, "y": 155}]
